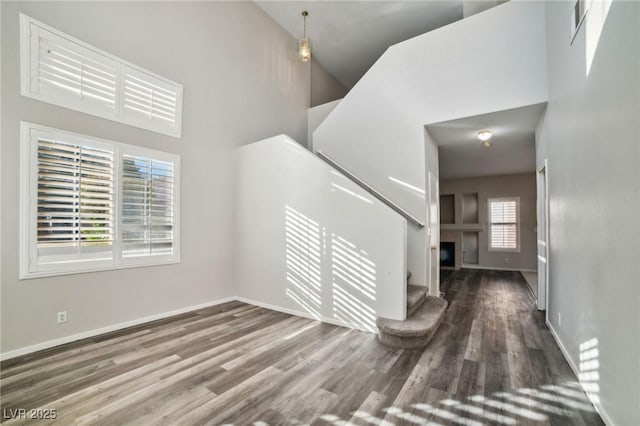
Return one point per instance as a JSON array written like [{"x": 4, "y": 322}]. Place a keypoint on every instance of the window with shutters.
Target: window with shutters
[
  {"x": 147, "y": 206},
  {"x": 89, "y": 204},
  {"x": 61, "y": 70},
  {"x": 504, "y": 226}
]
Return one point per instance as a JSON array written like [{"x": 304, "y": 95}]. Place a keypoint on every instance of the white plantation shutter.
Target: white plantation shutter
[
  {"x": 61, "y": 70},
  {"x": 150, "y": 100},
  {"x": 74, "y": 201},
  {"x": 72, "y": 75},
  {"x": 503, "y": 217},
  {"x": 89, "y": 204},
  {"x": 147, "y": 206}
]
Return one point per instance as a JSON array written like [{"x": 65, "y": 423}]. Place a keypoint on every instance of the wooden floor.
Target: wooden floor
[{"x": 492, "y": 361}]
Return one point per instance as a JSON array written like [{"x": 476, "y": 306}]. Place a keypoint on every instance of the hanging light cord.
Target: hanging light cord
[{"x": 304, "y": 23}]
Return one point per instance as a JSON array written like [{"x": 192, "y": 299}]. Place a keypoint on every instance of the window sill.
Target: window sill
[
  {"x": 504, "y": 250},
  {"x": 27, "y": 275}
]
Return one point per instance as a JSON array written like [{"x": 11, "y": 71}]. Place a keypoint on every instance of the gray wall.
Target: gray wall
[
  {"x": 242, "y": 82},
  {"x": 590, "y": 136},
  {"x": 519, "y": 185},
  {"x": 324, "y": 86}
]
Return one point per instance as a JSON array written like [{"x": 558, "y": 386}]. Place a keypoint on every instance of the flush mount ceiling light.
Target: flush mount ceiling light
[
  {"x": 304, "y": 44},
  {"x": 484, "y": 136}
]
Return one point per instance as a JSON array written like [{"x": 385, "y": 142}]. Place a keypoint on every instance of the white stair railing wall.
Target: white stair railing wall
[{"x": 313, "y": 243}]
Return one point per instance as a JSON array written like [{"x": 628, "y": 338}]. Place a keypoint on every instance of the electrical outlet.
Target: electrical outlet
[
  {"x": 559, "y": 319},
  {"x": 506, "y": 260},
  {"x": 62, "y": 317}
]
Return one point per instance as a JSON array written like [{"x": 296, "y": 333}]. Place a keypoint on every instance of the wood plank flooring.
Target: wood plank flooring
[{"x": 492, "y": 361}]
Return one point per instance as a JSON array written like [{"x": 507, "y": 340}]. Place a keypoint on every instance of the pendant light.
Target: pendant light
[{"x": 304, "y": 44}]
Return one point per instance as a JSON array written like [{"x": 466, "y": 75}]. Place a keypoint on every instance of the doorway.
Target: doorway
[{"x": 434, "y": 236}]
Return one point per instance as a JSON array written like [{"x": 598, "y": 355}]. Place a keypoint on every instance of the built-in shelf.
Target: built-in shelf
[
  {"x": 447, "y": 209},
  {"x": 470, "y": 208}
]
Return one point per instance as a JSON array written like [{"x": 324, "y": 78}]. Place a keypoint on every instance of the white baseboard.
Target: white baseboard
[
  {"x": 96, "y": 332},
  {"x": 598, "y": 406},
  {"x": 495, "y": 268},
  {"x": 92, "y": 333},
  {"x": 299, "y": 313}
]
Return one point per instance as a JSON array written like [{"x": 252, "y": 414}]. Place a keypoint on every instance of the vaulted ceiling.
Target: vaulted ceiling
[{"x": 349, "y": 36}]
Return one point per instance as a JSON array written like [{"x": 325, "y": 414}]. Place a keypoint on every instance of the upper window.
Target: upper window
[
  {"x": 90, "y": 204},
  {"x": 61, "y": 70},
  {"x": 504, "y": 227}
]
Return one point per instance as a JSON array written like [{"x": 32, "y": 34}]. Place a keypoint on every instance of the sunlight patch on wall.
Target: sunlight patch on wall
[
  {"x": 353, "y": 284},
  {"x": 303, "y": 238},
  {"x": 589, "y": 365},
  {"x": 595, "y": 20},
  {"x": 415, "y": 189},
  {"x": 353, "y": 194}
]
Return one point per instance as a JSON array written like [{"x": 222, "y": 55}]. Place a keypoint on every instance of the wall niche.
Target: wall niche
[
  {"x": 470, "y": 208},
  {"x": 447, "y": 209}
]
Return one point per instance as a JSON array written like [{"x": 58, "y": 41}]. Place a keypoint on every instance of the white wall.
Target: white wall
[
  {"x": 521, "y": 185},
  {"x": 324, "y": 86},
  {"x": 488, "y": 62},
  {"x": 230, "y": 98},
  {"x": 315, "y": 116},
  {"x": 311, "y": 241},
  {"x": 591, "y": 136}
]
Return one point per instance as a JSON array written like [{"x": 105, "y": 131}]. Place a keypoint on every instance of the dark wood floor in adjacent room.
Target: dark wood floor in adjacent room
[{"x": 492, "y": 361}]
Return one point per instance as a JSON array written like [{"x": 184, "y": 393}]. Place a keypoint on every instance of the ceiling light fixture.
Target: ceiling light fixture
[
  {"x": 304, "y": 44},
  {"x": 484, "y": 135}
]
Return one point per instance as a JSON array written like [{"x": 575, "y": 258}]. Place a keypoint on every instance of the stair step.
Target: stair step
[
  {"x": 415, "y": 298},
  {"x": 417, "y": 330}
]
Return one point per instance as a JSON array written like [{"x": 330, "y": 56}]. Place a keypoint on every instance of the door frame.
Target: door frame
[
  {"x": 542, "y": 178},
  {"x": 433, "y": 234}
]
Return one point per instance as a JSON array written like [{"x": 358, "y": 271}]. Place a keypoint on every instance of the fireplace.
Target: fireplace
[{"x": 448, "y": 254}]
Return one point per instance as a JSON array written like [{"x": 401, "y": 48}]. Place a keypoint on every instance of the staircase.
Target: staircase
[
  {"x": 343, "y": 226},
  {"x": 424, "y": 314}
]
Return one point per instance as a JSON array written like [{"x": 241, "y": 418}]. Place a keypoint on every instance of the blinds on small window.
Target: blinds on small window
[
  {"x": 73, "y": 74},
  {"x": 504, "y": 224},
  {"x": 59, "y": 69},
  {"x": 148, "y": 99},
  {"x": 147, "y": 206},
  {"x": 74, "y": 196}
]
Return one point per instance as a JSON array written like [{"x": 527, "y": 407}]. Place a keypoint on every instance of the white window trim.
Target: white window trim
[
  {"x": 28, "y": 209},
  {"x": 499, "y": 249},
  {"x": 26, "y": 47}
]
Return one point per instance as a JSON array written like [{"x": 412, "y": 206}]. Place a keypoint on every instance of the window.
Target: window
[
  {"x": 504, "y": 227},
  {"x": 61, "y": 70},
  {"x": 89, "y": 204},
  {"x": 147, "y": 206}
]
